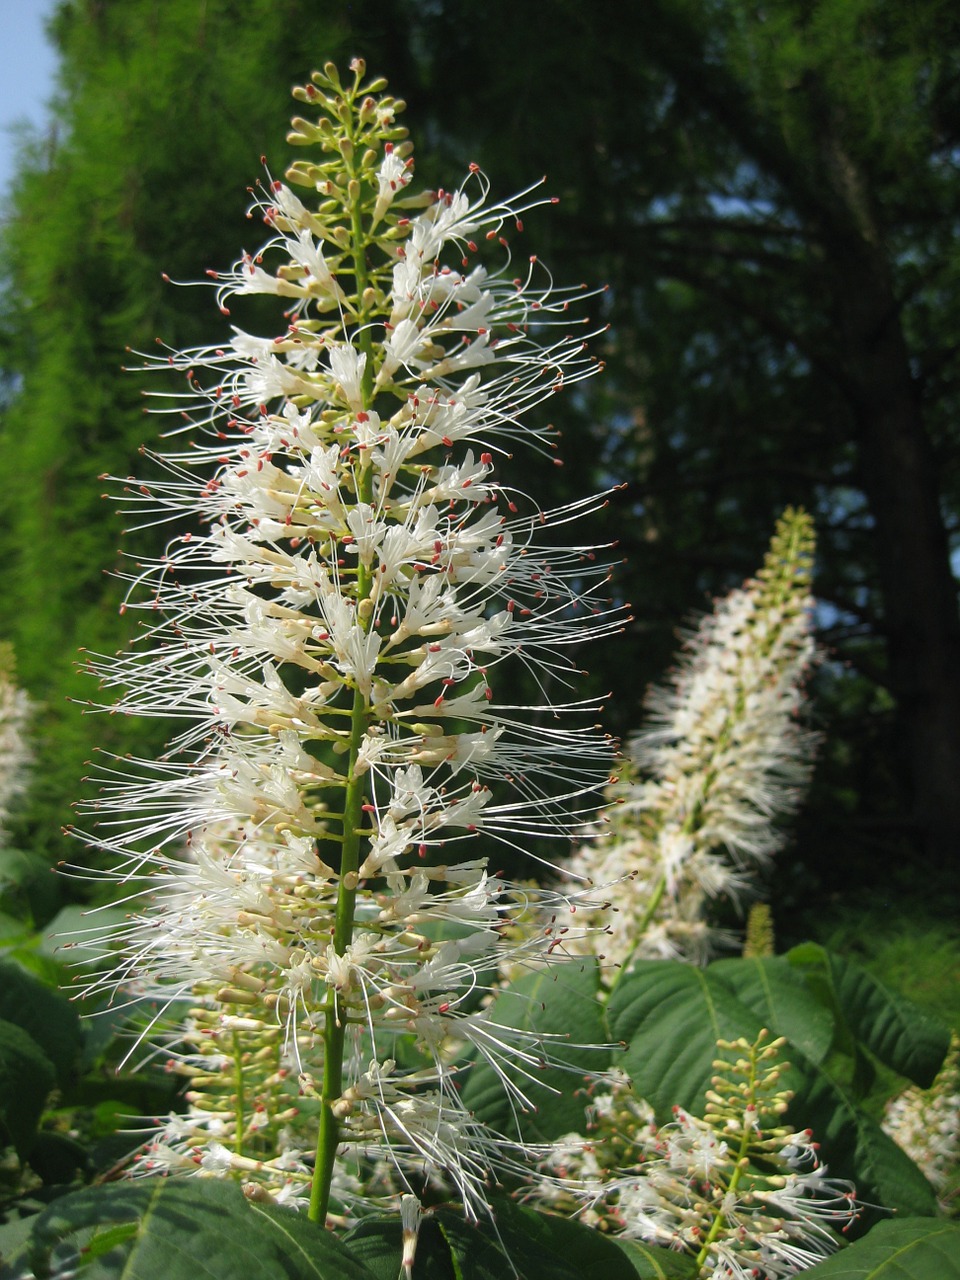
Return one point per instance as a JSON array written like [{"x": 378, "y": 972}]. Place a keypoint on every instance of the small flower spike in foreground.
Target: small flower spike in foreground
[
  {"x": 745, "y": 1195},
  {"x": 349, "y": 576},
  {"x": 723, "y": 757}
]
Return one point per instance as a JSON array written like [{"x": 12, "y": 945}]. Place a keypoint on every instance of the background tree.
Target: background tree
[
  {"x": 774, "y": 192},
  {"x": 771, "y": 193}
]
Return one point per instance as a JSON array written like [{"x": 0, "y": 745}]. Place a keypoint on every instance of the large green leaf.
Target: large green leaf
[
  {"x": 26, "y": 1078},
  {"x": 45, "y": 1015},
  {"x": 778, "y": 995},
  {"x": 592, "y": 1255},
  {"x": 561, "y": 1004},
  {"x": 669, "y": 1015},
  {"x": 378, "y": 1244},
  {"x": 905, "y": 1249},
  {"x": 903, "y": 1036},
  {"x": 196, "y": 1229},
  {"x": 651, "y": 1263},
  {"x": 518, "y": 1241}
]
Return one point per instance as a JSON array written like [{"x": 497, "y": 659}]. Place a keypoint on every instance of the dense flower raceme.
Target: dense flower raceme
[
  {"x": 926, "y": 1124},
  {"x": 327, "y": 626},
  {"x": 724, "y": 755},
  {"x": 15, "y": 753},
  {"x": 744, "y": 1194}
]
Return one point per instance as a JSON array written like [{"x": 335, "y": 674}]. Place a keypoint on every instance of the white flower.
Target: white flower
[
  {"x": 327, "y": 637},
  {"x": 15, "y": 753},
  {"x": 722, "y": 757}
]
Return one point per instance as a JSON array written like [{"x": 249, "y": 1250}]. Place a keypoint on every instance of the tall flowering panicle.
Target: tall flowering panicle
[
  {"x": 744, "y": 1194},
  {"x": 723, "y": 756},
  {"x": 925, "y": 1123},
  {"x": 16, "y": 755},
  {"x": 298, "y": 865}
]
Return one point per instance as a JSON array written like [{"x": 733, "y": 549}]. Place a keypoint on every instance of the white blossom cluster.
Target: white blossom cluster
[
  {"x": 347, "y": 576},
  {"x": 744, "y": 1195},
  {"x": 723, "y": 757},
  {"x": 926, "y": 1124},
  {"x": 16, "y": 755}
]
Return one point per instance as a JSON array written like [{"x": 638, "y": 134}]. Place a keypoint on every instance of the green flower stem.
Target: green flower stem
[
  {"x": 239, "y": 1101},
  {"x": 742, "y": 1163},
  {"x": 335, "y": 1021}
]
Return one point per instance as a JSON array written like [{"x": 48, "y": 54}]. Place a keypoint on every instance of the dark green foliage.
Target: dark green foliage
[
  {"x": 161, "y": 1227},
  {"x": 185, "y": 1229},
  {"x": 47, "y": 1016},
  {"x": 908, "y": 1249},
  {"x": 163, "y": 113},
  {"x": 26, "y": 1078},
  {"x": 560, "y": 1003}
]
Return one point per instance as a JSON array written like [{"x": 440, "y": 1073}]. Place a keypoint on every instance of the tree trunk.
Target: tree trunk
[{"x": 919, "y": 591}]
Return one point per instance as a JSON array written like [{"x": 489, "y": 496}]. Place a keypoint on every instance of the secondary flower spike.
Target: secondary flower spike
[
  {"x": 303, "y": 864},
  {"x": 723, "y": 756}
]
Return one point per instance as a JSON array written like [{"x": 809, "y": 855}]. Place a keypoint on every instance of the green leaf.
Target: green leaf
[
  {"x": 196, "y": 1229},
  {"x": 26, "y": 1078},
  {"x": 16, "y": 867},
  {"x": 559, "y": 1002},
  {"x": 778, "y": 995},
  {"x": 57, "y": 1158},
  {"x": 904, "y": 1249},
  {"x": 481, "y": 1254},
  {"x": 72, "y": 936},
  {"x": 901, "y": 1034},
  {"x": 521, "y": 1241},
  {"x": 591, "y": 1255},
  {"x": 378, "y": 1244},
  {"x": 670, "y": 1016},
  {"x": 45, "y": 1015},
  {"x": 14, "y": 1234},
  {"x": 853, "y": 1146},
  {"x": 651, "y": 1263}
]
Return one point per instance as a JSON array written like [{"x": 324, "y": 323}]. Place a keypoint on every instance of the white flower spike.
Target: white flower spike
[{"x": 326, "y": 625}]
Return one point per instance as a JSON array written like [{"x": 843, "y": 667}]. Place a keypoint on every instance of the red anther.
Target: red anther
[
  {"x": 438, "y": 702},
  {"x": 473, "y": 167},
  {"x": 368, "y": 808},
  {"x": 444, "y": 1008},
  {"x": 511, "y": 605},
  {"x": 447, "y": 441},
  {"x": 422, "y": 851}
]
